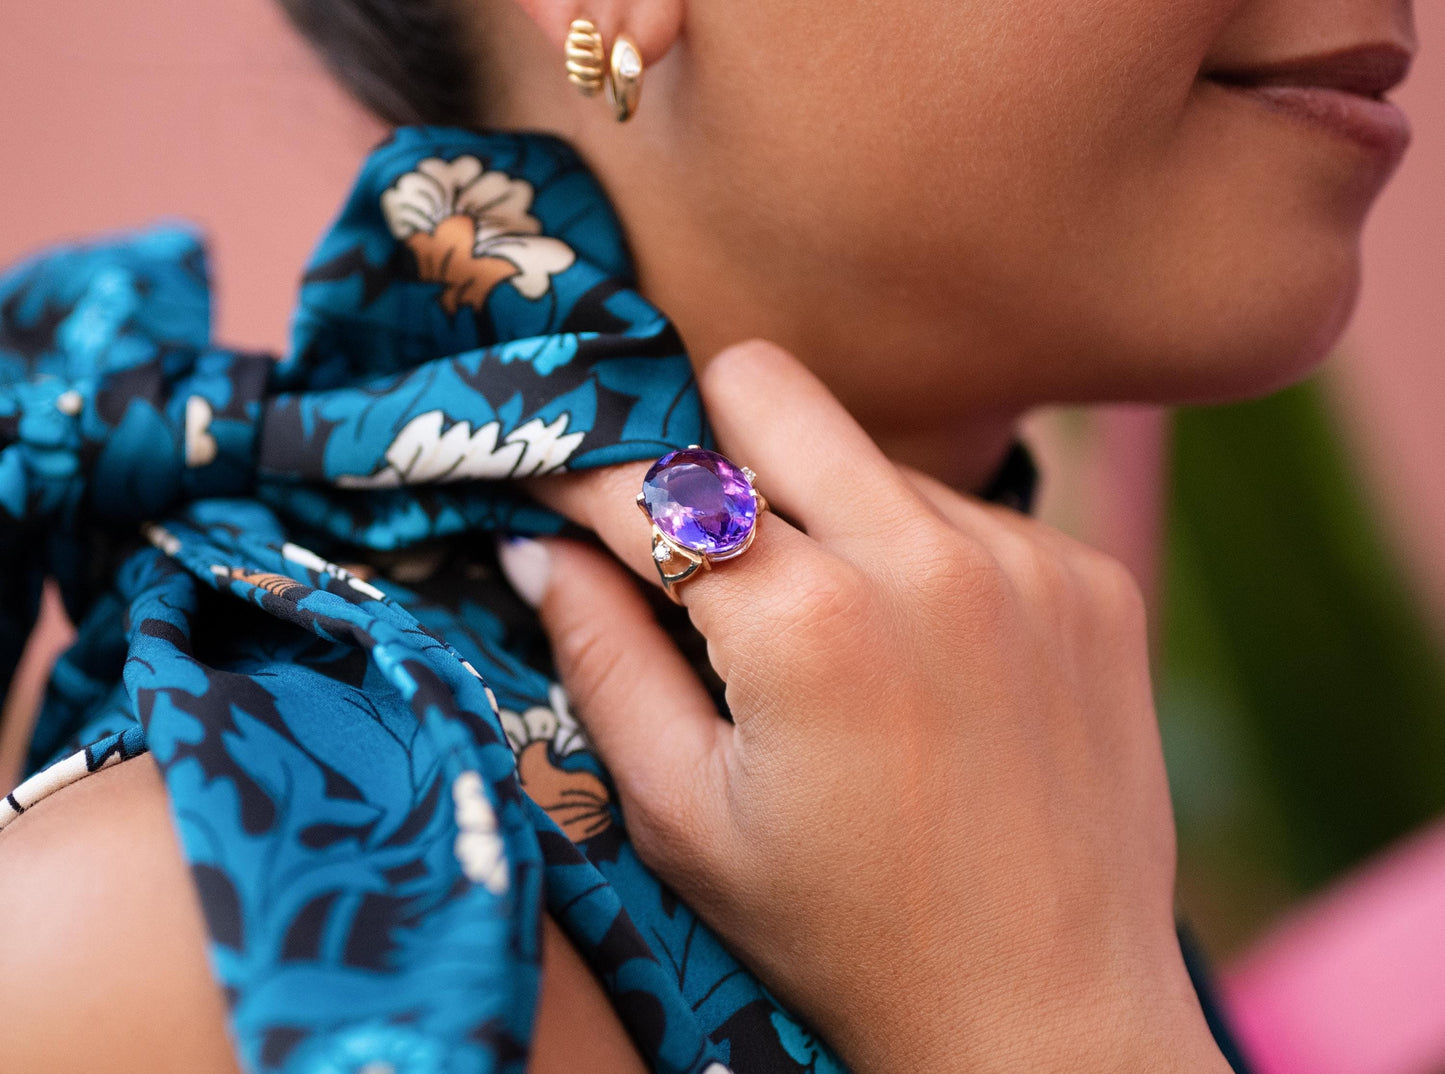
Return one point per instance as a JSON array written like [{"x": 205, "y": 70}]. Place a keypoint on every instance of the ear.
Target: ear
[{"x": 654, "y": 24}]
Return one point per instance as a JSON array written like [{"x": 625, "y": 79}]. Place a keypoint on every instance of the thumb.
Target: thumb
[{"x": 643, "y": 707}]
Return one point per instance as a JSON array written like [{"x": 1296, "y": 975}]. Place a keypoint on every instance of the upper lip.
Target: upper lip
[{"x": 1366, "y": 70}]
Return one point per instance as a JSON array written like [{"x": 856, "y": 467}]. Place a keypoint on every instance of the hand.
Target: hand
[{"x": 939, "y": 825}]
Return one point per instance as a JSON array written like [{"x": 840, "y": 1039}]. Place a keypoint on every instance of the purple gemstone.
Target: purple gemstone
[{"x": 700, "y": 501}]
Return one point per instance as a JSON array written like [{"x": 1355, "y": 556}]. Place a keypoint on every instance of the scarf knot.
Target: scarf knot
[
  {"x": 469, "y": 319},
  {"x": 129, "y": 444}
]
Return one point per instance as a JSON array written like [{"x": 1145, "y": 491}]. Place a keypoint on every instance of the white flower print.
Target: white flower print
[
  {"x": 312, "y": 562},
  {"x": 479, "y": 847},
  {"x": 425, "y": 452},
  {"x": 573, "y": 797},
  {"x": 470, "y": 229},
  {"x": 162, "y": 538},
  {"x": 552, "y": 723},
  {"x": 200, "y": 444}
]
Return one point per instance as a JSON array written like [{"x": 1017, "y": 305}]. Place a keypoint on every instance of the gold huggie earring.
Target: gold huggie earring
[
  {"x": 624, "y": 79},
  {"x": 584, "y": 57}
]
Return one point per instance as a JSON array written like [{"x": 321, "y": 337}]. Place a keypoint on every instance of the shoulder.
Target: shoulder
[
  {"x": 96, "y": 904},
  {"x": 103, "y": 947}
]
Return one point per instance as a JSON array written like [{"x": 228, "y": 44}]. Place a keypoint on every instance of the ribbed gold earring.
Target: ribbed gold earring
[
  {"x": 624, "y": 77},
  {"x": 584, "y": 57}
]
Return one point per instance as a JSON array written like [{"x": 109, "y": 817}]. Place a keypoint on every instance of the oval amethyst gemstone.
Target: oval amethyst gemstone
[{"x": 700, "y": 500}]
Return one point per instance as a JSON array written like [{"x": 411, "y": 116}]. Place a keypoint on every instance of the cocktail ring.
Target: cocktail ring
[{"x": 703, "y": 510}]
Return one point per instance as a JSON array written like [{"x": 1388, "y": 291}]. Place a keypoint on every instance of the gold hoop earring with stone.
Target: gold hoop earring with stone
[
  {"x": 624, "y": 77},
  {"x": 584, "y": 57}
]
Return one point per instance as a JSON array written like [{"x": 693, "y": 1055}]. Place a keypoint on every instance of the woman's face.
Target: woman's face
[{"x": 1026, "y": 199}]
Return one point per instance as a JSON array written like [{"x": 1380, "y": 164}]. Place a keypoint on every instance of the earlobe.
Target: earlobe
[{"x": 654, "y": 25}]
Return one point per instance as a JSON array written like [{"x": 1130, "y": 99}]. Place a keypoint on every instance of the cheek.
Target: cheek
[
  {"x": 921, "y": 139},
  {"x": 1045, "y": 171},
  {"x": 1229, "y": 264},
  {"x": 956, "y": 110}
]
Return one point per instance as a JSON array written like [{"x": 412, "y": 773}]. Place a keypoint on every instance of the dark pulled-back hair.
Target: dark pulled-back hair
[{"x": 406, "y": 60}]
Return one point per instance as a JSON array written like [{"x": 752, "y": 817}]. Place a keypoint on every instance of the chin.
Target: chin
[{"x": 1273, "y": 328}]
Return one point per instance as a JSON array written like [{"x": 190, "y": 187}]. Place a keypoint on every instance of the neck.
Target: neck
[
  {"x": 895, "y": 367},
  {"x": 715, "y": 304},
  {"x": 964, "y": 457}
]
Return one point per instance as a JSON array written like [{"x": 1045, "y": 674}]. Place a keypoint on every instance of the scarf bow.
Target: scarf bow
[{"x": 468, "y": 320}]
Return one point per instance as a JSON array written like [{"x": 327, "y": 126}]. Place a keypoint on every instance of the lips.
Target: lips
[
  {"x": 1366, "y": 71},
  {"x": 1341, "y": 92}
]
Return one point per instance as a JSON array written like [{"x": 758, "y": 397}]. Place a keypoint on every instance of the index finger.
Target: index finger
[{"x": 604, "y": 501}]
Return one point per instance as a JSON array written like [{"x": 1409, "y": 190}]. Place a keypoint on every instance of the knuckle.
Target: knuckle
[
  {"x": 1052, "y": 571},
  {"x": 1100, "y": 590},
  {"x": 831, "y": 601},
  {"x": 1116, "y": 589},
  {"x": 942, "y": 561},
  {"x": 731, "y": 381},
  {"x": 1035, "y": 570},
  {"x": 740, "y": 360}
]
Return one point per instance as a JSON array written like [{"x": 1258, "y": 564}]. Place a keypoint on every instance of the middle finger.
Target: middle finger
[{"x": 734, "y": 604}]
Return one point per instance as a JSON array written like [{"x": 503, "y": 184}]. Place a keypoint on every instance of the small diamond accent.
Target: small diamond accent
[
  {"x": 661, "y": 553},
  {"x": 629, "y": 63},
  {"x": 750, "y": 475}
]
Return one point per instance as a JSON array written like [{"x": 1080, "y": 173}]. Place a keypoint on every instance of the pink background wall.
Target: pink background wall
[
  {"x": 119, "y": 114},
  {"x": 1390, "y": 381}
]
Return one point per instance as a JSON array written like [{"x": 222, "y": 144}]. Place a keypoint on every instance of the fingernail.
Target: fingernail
[{"x": 527, "y": 565}]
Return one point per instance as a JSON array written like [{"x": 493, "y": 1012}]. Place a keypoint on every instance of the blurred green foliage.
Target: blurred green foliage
[{"x": 1301, "y": 688}]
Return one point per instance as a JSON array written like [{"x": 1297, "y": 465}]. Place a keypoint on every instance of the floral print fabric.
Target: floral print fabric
[{"x": 282, "y": 576}]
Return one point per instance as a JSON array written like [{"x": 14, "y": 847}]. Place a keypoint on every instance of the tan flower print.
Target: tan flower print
[
  {"x": 577, "y": 801},
  {"x": 278, "y": 585},
  {"x": 471, "y": 229}
]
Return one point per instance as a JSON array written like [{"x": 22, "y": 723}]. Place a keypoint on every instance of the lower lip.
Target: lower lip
[{"x": 1376, "y": 125}]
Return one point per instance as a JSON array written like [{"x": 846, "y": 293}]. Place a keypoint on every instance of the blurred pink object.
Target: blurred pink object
[{"x": 1354, "y": 983}]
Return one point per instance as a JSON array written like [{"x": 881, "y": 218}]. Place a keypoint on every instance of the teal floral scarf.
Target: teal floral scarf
[{"x": 285, "y": 589}]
